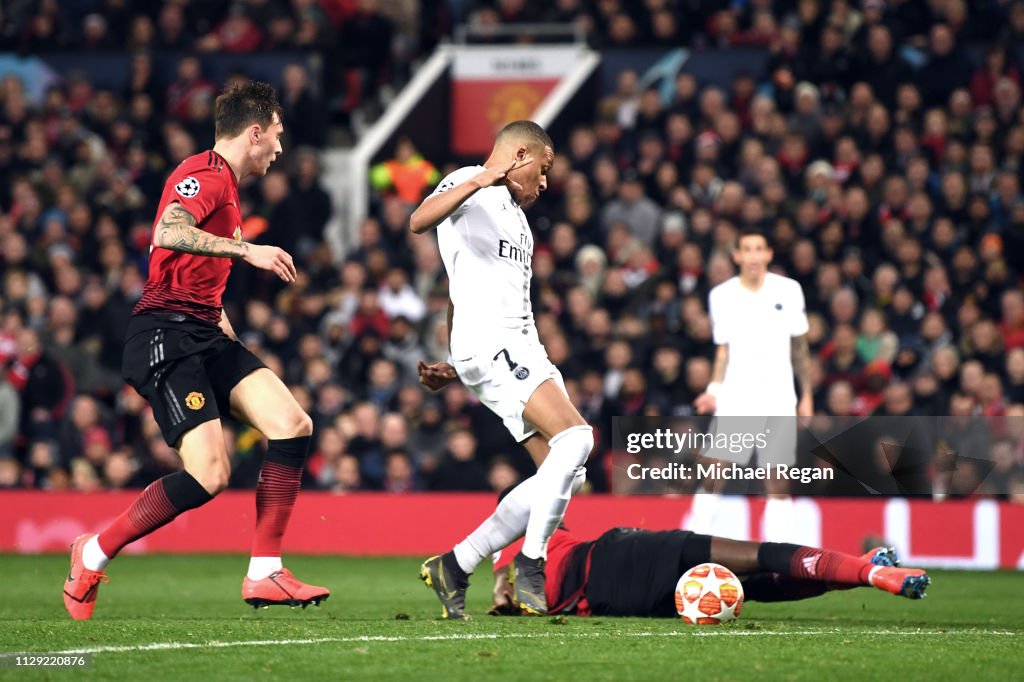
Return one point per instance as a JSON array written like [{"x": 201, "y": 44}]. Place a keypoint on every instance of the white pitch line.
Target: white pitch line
[{"x": 469, "y": 636}]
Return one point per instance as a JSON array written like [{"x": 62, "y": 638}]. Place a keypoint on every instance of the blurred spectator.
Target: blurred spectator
[
  {"x": 364, "y": 47},
  {"x": 10, "y": 412},
  {"x": 633, "y": 209},
  {"x": 44, "y": 384},
  {"x": 304, "y": 112},
  {"x": 399, "y": 475},
  {"x": 189, "y": 85},
  {"x": 346, "y": 475},
  {"x": 399, "y": 299},
  {"x": 459, "y": 468},
  {"x": 408, "y": 174},
  {"x": 502, "y": 475},
  {"x": 237, "y": 33}
]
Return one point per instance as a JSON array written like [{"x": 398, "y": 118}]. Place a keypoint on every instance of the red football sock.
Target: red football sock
[
  {"x": 157, "y": 506},
  {"x": 814, "y": 564},
  {"x": 280, "y": 480},
  {"x": 822, "y": 564}
]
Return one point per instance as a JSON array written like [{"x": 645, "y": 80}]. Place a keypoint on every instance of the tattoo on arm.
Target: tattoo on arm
[
  {"x": 177, "y": 231},
  {"x": 801, "y": 356}
]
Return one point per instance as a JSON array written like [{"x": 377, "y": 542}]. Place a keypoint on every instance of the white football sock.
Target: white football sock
[
  {"x": 500, "y": 529},
  {"x": 261, "y": 567},
  {"x": 779, "y": 521},
  {"x": 703, "y": 513},
  {"x": 569, "y": 452},
  {"x": 92, "y": 556},
  {"x": 506, "y": 525}
]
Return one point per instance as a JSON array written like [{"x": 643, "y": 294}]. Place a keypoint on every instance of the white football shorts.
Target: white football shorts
[{"x": 505, "y": 376}]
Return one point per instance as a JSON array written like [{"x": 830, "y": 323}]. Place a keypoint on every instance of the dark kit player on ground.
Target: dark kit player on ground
[
  {"x": 182, "y": 355},
  {"x": 633, "y": 572}
]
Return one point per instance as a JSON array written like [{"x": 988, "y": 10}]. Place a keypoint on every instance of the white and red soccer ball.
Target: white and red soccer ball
[{"x": 709, "y": 594}]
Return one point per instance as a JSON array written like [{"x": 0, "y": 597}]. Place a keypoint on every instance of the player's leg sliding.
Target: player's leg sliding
[
  {"x": 808, "y": 563},
  {"x": 775, "y": 587},
  {"x": 569, "y": 452},
  {"x": 448, "y": 574},
  {"x": 157, "y": 506},
  {"x": 267, "y": 582},
  {"x": 879, "y": 556}
]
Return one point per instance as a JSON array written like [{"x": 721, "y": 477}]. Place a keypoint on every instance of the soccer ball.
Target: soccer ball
[{"x": 709, "y": 594}]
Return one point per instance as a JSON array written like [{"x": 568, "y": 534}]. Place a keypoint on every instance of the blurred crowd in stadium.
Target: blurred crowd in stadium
[{"x": 891, "y": 191}]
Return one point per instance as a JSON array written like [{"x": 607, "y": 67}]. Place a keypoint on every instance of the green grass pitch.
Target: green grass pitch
[{"x": 182, "y": 618}]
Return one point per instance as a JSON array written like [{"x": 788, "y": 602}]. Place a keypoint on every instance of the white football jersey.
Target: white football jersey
[
  {"x": 758, "y": 327},
  {"x": 487, "y": 249}
]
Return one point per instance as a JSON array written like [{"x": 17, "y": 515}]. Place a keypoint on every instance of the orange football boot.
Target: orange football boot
[
  {"x": 281, "y": 588},
  {"x": 82, "y": 584},
  {"x": 905, "y": 582}
]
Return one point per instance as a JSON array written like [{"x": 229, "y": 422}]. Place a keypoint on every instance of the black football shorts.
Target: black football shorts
[
  {"x": 634, "y": 572},
  {"x": 185, "y": 368}
]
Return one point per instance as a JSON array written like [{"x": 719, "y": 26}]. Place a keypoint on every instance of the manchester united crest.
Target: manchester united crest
[{"x": 195, "y": 400}]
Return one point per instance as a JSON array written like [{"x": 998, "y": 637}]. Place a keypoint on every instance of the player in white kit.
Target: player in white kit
[
  {"x": 760, "y": 329},
  {"x": 487, "y": 248}
]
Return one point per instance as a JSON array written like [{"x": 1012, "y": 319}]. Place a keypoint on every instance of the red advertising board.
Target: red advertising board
[{"x": 966, "y": 534}]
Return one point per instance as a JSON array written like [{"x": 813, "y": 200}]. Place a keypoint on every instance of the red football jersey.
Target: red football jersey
[{"x": 206, "y": 187}]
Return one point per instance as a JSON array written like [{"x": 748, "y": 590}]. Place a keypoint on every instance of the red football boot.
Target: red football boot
[
  {"x": 82, "y": 584},
  {"x": 281, "y": 588},
  {"x": 905, "y": 582}
]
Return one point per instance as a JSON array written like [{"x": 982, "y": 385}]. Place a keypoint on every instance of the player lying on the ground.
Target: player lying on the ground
[{"x": 633, "y": 572}]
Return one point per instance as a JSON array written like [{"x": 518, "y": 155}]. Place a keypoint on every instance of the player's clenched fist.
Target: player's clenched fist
[
  {"x": 436, "y": 375},
  {"x": 273, "y": 258}
]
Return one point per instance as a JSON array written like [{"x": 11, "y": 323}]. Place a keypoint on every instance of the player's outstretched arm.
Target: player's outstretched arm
[
  {"x": 439, "y": 206},
  {"x": 177, "y": 231},
  {"x": 707, "y": 401}
]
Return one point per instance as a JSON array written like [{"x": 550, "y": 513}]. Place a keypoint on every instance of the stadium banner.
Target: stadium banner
[
  {"x": 492, "y": 86},
  {"x": 925, "y": 456},
  {"x": 976, "y": 534}
]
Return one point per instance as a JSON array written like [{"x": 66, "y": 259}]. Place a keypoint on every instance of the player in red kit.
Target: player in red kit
[
  {"x": 182, "y": 355},
  {"x": 633, "y": 572}
]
